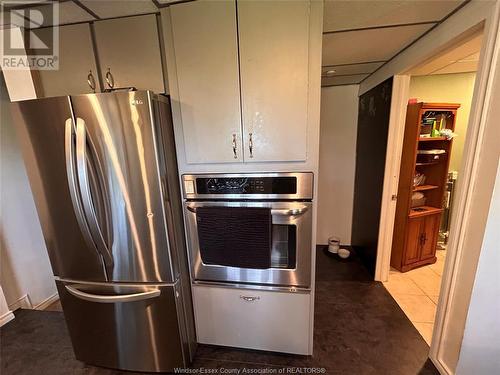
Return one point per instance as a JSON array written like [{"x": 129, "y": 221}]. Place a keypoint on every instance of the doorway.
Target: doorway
[{"x": 440, "y": 96}]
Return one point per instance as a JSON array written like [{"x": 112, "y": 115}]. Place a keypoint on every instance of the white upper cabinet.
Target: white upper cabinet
[
  {"x": 76, "y": 62},
  {"x": 274, "y": 68},
  {"x": 129, "y": 47},
  {"x": 205, "y": 44}
]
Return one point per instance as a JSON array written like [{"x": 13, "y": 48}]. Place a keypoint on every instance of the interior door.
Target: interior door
[
  {"x": 274, "y": 58},
  {"x": 129, "y": 47},
  {"x": 430, "y": 229},
  {"x": 45, "y": 136},
  {"x": 120, "y": 150},
  {"x": 206, "y": 56},
  {"x": 75, "y": 64}
]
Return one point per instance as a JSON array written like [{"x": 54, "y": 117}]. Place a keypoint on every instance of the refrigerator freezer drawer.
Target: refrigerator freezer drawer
[
  {"x": 253, "y": 319},
  {"x": 132, "y": 327}
]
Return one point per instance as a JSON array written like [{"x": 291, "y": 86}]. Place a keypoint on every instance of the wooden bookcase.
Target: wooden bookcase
[{"x": 416, "y": 229}]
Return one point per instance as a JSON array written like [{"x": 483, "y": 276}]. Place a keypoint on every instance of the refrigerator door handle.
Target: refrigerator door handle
[
  {"x": 153, "y": 293},
  {"x": 88, "y": 206},
  {"x": 72, "y": 184}
]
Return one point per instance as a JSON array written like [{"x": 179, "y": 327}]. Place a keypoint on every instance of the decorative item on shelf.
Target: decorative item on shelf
[
  {"x": 426, "y": 126},
  {"x": 448, "y": 133},
  {"x": 418, "y": 199},
  {"x": 333, "y": 245},
  {"x": 418, "y": 179},
  {"x": 434, "y": 131},
  {"x": 429, "y": 156}
]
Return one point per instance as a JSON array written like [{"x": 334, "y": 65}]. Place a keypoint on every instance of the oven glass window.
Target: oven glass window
[{"x": 284, "y": 246}]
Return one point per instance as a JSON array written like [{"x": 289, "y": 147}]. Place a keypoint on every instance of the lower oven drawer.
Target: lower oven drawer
[{"x": 253, "y": 319}]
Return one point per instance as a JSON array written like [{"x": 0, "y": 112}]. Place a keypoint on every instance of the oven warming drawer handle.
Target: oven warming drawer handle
[
  {"x": 275, "y": 211},
  {"x": 113, "y": 298}
]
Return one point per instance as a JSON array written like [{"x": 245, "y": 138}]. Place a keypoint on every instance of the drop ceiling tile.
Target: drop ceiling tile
[
  {"x": 353, "y": 69},
  {"x": 352, "y": 47},
  {"x": 458, "y": 67},
  {"x": 110, "y": 8},
  {"x": 168, "y": 1},
  {"x": 473, "y": 57},
  {"x": 468, "y": 50},
  {"x": 343, "y": 80},
  {"x": 342, "y": 15},
  {"x": 69, "y": 12}
]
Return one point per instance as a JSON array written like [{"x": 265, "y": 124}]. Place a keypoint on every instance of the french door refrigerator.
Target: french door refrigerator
[{"x": 103, "y": 172}]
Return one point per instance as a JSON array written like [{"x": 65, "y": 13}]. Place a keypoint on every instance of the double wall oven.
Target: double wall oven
[{"x": 250, "y": 229}]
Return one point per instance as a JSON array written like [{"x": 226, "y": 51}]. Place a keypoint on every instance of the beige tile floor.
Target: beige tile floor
[{"x": 417, "y": 293}]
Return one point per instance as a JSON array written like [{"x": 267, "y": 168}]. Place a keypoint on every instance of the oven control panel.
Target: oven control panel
[{"x": 247, "y": 185}]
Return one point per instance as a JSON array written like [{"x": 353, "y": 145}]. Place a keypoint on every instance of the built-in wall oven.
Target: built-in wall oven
[{"x": 251, "y": 229}]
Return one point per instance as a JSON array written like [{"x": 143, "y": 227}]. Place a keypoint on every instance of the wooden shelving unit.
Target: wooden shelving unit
[
  {"x": 425, "y": 187},
  {"x": 429, "y": 139},
  {"x": 416, "y": 228},
  {"x": 427, "y": 163},
  {"x": 423, "y": 211}
]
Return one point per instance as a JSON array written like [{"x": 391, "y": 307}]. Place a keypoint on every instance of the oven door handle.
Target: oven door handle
[{"x": 274, "y": 211}]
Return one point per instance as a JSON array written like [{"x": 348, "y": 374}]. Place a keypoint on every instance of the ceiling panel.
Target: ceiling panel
[
  {"x": 169, "y": 1},
  {"x": 459, "y": 67},
  {"x": 69, "y": 12},
  {"x": 468, "y": 49},
  {"x": 352, "y": 69},
  {"x": 343, "y": 80},
  {"x": 368, "y": 45},
  {"x": 342, "y": 15},
  {"x": 110, "y": 8}
]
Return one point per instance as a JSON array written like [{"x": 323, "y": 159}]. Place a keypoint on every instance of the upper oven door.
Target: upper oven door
[{"x": 291, "y": 247}]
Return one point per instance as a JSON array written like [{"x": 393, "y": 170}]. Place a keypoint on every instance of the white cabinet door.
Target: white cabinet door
[
  {"x": 253, "y": 319},
  {"x": 76, "y": 61},
  {"x": 274, "y": 59},
  {"x": 130, "y": 48},
  {"x": 206, "y": 56}
]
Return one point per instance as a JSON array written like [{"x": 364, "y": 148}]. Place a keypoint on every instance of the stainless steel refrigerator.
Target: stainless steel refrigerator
[{"x": 103, "y": 171}]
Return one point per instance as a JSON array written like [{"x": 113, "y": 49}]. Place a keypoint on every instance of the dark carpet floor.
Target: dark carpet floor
[{"x": 359, "y": 329}]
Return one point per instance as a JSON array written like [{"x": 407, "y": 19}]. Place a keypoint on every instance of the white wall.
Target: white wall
[
  {"x": 19, "y": 81},
  {"x": 25, "y": 268},
  {"x": 337, "y": 162},
  {"x": 480, "y": 352}
]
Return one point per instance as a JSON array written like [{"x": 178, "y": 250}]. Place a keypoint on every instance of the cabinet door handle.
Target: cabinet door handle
[
  {"x": 234, "y": 146},
  {"x": 422, "y": 239},
  {"x": 249, "y": 298},
  {"x": 250, "y": 144},
  {"x": 110, "y": 80},
  {"x": 91, "y": 81}
]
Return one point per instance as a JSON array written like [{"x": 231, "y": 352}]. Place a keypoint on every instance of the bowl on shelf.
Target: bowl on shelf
[
  {"x": 418, "y": 199},
  {"x": 430, "y": 156}
]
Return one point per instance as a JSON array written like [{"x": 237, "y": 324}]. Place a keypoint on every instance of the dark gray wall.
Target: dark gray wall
[{"x": 373, "y": 125}]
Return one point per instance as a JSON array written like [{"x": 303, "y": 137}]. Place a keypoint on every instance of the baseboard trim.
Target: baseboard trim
[
  {"x": 5, "y": 318},
  {"x": 22, "y": 302},
  {"x": 47, "y": 302}
]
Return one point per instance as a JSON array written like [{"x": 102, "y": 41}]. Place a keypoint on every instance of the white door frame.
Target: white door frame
[
  {"x": 462, "y": 222},
  {"x": 397, "y": 116}
]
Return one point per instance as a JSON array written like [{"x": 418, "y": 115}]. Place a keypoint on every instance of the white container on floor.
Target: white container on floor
[{"x": 333, "y": 245}]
